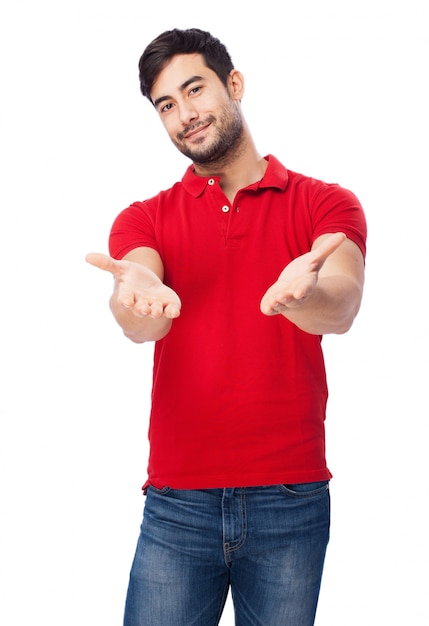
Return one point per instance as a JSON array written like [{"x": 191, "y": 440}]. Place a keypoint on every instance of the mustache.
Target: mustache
[{"x": 191, "y": 127}]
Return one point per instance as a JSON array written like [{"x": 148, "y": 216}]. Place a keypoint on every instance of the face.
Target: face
[{"x": 200, "y": 114}]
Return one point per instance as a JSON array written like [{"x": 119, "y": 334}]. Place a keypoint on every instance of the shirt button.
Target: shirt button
[
  {"x": 211, "y": 181},
  {"x": 225, "y": 208}
]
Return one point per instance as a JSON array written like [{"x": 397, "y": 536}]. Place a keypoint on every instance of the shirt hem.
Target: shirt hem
[{"x": 229, "y": 482}]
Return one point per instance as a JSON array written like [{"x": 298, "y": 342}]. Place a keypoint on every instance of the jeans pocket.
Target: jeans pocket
[{"x": 306, "y": 490}]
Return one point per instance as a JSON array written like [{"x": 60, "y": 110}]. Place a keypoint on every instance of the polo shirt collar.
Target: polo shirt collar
[{"x": 275, "y": 176}]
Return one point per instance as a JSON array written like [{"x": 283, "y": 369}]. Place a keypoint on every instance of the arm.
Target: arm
[
  {"x": 320, "y": 291},
  {"x": 142, "y": 305}
]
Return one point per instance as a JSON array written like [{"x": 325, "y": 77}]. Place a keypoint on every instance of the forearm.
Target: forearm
[{"x": 331, "y": 308}]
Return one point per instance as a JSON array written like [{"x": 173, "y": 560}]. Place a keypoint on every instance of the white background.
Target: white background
[{"x": 336, "y": 90}]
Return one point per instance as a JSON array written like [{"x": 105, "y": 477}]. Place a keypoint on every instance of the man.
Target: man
[{"x": 236, "y": 272}]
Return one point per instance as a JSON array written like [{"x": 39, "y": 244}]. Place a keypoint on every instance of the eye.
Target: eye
[
  {"x": 166, "y": 107},
  {"x": 194, "y": 91}
]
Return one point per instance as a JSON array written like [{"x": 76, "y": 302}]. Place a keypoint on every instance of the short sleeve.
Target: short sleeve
[
  {"x": 335, "y": 209},
  {"x": 133, "y": 228}
]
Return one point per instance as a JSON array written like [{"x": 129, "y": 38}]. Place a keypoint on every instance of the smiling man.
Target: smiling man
[
  {"x": 198, "y": 114},
  {"x": 235, "y": 272}
]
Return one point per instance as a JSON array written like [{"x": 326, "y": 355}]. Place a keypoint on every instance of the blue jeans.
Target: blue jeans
[{"x": 267, "y": 544}]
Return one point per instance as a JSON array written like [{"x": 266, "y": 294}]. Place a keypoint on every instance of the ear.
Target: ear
[{"x": 236, "y": 84}]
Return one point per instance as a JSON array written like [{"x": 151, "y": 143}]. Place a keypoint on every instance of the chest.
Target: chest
[{"x": 208, "y": 231}]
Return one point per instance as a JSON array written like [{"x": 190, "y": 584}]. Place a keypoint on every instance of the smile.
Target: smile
[{"x": 192, "y": 133}]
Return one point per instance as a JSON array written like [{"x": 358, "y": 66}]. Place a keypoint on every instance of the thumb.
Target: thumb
[
  {"x": 103, "y": 262},
  {"x": 330, "y": 244},
  {"x": 326, "y": 248}
]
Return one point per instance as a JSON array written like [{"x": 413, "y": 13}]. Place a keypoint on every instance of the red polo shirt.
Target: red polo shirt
[{"x": 238, "y": 398}]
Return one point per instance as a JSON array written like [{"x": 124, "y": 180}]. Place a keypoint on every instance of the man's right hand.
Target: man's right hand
[
  {"x": 141, "y": 304},
  {"x": 137, "y": 288}
]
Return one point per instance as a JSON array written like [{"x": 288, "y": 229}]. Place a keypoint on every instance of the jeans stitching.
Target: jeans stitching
[{"x": 227, "y": 549}]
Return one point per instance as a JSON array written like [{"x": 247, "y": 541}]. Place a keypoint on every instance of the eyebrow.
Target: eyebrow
[{"x": 182, "y": 87}]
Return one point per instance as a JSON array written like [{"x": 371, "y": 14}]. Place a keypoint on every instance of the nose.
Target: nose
[{"x": 187, "y": 113}]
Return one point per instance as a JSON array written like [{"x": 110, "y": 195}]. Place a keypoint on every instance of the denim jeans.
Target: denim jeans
[{"x": 267, "y": 544}]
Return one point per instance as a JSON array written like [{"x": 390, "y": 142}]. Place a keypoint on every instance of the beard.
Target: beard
[{"x": 226, "y": 143}]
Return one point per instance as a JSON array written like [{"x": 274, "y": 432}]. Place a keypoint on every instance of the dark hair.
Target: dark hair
[{"x": 172, "y": 42}]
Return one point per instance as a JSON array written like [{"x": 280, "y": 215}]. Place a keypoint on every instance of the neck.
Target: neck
[{"x": 239, "y": 168}]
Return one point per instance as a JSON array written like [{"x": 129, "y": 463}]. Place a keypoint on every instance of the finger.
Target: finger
[
  {"x": 157, "y": 309},
  {"x": 143, "y": 306},
  {"x": 103, "y": 262},
  {"x": 330, "y": 244},
  {"x": 319, "y": 255},
  {"x": 269, "y": 305},
  {"x": 172, "y": 311},
  {"x": 126, "y": 297}
]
